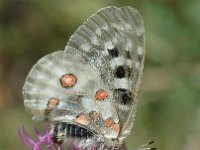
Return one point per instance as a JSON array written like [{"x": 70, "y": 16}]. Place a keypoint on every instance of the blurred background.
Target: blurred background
[{"x": 169, "y": 110}]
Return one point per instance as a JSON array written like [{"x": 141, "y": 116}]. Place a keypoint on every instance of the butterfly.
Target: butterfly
[{"x": 89, "y": 91}]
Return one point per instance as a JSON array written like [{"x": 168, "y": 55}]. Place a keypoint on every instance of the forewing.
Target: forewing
[
  {"x": 137, "y": 48},
  {"x": 113, "y": 42}
]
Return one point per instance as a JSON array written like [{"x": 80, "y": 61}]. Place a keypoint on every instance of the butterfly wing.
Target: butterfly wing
[
  {"x": 137, "y": 53},
  {"x": 113, "y": 42},
  {"x": 95, "y": 82},
  {"x": 47, "y": 94}
]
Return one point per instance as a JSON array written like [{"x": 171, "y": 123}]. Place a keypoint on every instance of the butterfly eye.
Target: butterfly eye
[
  {"x": 52, "y": 103},
  {"x": 68, "y": 80},
  {"x": 101, "y": 94}
]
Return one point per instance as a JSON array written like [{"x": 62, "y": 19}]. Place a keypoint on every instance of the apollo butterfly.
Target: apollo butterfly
[{"x": 88, "y": 93}]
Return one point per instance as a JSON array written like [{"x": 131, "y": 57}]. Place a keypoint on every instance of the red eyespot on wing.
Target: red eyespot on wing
[
  {"x": 108, "y": 122},
  {"x": 116, "y": 127},
  {"x": 68, "y": 80},
  {"x": 81, "y": 119},
  {"x": 101, "y": 94},
  {"x": 52, "y": 103}
]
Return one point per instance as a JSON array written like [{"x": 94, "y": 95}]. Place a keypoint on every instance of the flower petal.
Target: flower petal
[
  {"x": 28, "y": 136},
  {"x": 24, "y": 140},
  {"x": 37, "y": 133}
]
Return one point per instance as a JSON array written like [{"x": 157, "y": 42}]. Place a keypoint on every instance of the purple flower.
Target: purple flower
[
  {"x": 36, "y": 145},
  {"x": 45, "y": 140}
]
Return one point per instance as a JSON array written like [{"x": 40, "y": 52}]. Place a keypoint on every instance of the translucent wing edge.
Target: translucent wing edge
[{"x": 133, "y": 13}]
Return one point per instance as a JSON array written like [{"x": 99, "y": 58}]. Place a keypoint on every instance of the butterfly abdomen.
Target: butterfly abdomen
[{"x": 61, "y": 131}]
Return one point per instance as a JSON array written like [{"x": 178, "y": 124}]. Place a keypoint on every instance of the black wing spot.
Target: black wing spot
[
  {"x": 121, "y": 90},
  {"x": 113, "y": 52},
  {"x": 120, "y": 72},
  {"x": 140, "y": 57},
  {"x": 126, "y": 98},
  {"x": 128, "y": 55}
]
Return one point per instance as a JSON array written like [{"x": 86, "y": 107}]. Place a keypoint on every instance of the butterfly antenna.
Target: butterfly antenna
[{"x": 143, "y": 147}]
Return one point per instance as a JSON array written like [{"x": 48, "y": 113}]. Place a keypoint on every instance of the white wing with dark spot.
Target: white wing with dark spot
[
  {"x": 113, "y": 42},
  {"x": 95, "y": 81}
]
